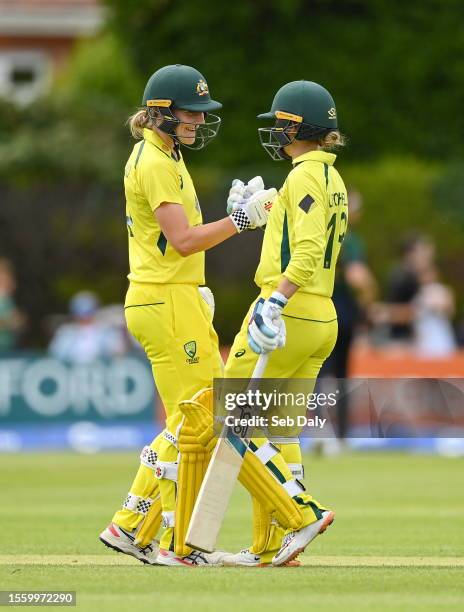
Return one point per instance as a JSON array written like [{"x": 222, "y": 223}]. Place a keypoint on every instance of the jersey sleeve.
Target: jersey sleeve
[
  {"x": 310, "y": 230},
  {"x": 159, "y": 183}
]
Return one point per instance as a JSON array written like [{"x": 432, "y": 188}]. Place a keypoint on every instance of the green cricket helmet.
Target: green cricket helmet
[
  {"x": 302, "y": 110},
  {"x": 181, "y": 87}
]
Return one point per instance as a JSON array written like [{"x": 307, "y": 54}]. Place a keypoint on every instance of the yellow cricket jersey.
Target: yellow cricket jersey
[
  {"x": 306, "y": 227},
  {"x": 152, "y": 176}
]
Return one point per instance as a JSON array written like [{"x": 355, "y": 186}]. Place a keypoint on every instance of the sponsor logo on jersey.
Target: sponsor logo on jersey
[{"x": 240, "y": 353}]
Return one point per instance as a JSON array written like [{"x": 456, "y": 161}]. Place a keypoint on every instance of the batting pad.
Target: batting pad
[
  {"x": 267, "y": 533},
  {"x": 261, "y": 482},
  {"x": 199, "y": 416},
  {"x": 150, "y": 525},
  {"x": 196, "y": 443}
]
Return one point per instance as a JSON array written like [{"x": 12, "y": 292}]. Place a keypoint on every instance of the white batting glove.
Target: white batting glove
[
  {"x": 208, "y": 296},
  {"x": 254, "y": 212},
  {"x": 239, "y": 192},
  {"x": 235, "y": 195},
  {"x": 266, "y": 329}
]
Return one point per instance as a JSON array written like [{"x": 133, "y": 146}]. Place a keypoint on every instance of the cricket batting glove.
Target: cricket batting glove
[
  {"x": 266, "y": 329},
  {"x": 239, "y": 192},
  {"x": 208, "y": 297},
  {"x": 254, "y": 211}
]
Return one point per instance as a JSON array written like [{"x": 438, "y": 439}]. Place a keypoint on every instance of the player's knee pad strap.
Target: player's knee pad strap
[
  {"x": 148, "y": 457},
  {"x": 161, "y": 469},
  {"x": 297, "y": 470},
  {"x": 166, "y": 469},
  {"x": 266, "y": 452},
  {"x": 167, "y": 435},
  {"x": 168, "y": 518},
  {"x": 138, "y": 504},
  {"x": 294, "y": 487}
]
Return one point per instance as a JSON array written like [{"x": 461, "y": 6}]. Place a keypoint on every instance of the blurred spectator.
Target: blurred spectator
[
  {"x": 417, "y": 257},
  {"x": 398, "y": 313},
  {"x": 434, "y": 308},
  {"x": 354, "y": 291},
  {"x": 419, "y": 308},
  {"x": 11, "y": 319},
  {"x": 87, "y": 337}
]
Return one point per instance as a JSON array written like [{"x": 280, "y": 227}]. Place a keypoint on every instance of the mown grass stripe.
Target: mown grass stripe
[{"x": 309, "y": 561}]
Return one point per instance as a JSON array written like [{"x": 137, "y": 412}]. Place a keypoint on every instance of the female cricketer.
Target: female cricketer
[
  {"x": 302, "y": 240},
  {"x": 164, "y": 308}
]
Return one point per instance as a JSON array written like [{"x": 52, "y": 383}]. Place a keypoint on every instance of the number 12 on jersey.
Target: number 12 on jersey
[{"x": 331, "y": 228}]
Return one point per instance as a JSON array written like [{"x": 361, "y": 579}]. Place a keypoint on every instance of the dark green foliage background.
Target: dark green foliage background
[{"x": 394, "y": 68}]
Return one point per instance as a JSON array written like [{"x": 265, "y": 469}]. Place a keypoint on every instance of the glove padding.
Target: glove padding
[
  {"x": 266, "y": 329},
  {"x": 208, "y": 296},
  {"x": 254, "y": 211},
  {"x": 239, "y": 192}
]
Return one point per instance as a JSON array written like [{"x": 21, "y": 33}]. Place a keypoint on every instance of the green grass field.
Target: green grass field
[{"x": 397, "y": 542}]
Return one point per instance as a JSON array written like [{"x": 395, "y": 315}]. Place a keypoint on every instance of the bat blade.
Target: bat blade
[{"x": 218, "y": 484}]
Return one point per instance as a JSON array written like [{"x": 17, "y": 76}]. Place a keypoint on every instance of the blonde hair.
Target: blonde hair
[
  {"x": 138, "y": 121},
  {"x": 332, "y": 140}
]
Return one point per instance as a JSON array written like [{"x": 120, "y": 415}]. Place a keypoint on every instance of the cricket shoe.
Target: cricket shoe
[
  {"x": 122, "y": 541},
  {"x": 195, "y": 559},
  {"x": 245, "y": 558},
  {"x": 295, "y": 542}
]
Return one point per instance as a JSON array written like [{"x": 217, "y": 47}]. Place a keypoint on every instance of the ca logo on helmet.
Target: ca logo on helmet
[
  {"x": 332, "y": 113},
  {"x": 202, "y": 88}
]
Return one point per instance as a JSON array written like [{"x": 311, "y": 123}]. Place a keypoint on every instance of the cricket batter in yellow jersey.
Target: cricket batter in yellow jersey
[
  {"x": 302, "y": 241},
  {"x": 166, "y": 308}
]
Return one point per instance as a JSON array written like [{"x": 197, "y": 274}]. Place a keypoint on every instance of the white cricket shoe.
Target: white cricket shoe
[
  {"x": 244, "y": 558},
  {"x": 195, "y": 558},
  {"x": 122, "y": 541},
  {"x": 295, "y": 542}
]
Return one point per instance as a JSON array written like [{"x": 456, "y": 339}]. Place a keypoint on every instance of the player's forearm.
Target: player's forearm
[{"x": 203, "y": 237}]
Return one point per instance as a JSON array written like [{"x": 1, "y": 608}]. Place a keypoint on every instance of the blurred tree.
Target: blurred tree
[
  {"x": 393, "y": 67},
  {"x": 395, "y": 71}
]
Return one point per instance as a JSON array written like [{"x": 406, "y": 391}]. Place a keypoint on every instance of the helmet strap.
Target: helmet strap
[{"x": 169, "y": 121}]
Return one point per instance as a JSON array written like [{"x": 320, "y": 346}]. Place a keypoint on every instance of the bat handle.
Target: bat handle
[{"x": 260, "y": 366}]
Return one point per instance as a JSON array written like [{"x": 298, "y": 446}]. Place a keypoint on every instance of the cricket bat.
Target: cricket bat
[{"x": 218, "y": 483}]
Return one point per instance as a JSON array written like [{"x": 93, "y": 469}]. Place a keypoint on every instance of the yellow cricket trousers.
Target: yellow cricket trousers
[{"x": 174, "y": 326}]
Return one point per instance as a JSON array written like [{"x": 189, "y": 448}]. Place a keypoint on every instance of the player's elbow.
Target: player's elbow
[
  {"x": 183, "y": 250},
  {"x": 184, "y": 246}
]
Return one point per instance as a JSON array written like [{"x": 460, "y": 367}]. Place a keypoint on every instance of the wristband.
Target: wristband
[
  {"x": 278, "y": 299},
  {"x": 240, "y": 219}
]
